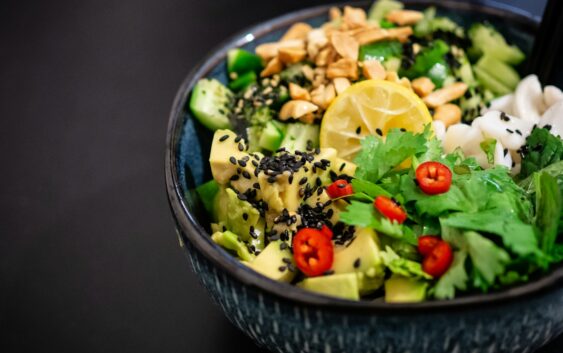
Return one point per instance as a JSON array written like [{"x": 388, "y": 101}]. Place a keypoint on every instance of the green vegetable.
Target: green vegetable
[
  {"x": 294, "y": 73},
  {"x": 402, "y": 266},
  {"x": 548, "y": 210},
  {"x": 491, "y": 83},
  {"x": 369, "y": 189},
  {"x": 541, "y": 150},
  {"x": 230, "y": 241},
  {"x": 430, "y": 23},
  {"x": 206, "y": 193},
  {"x": 455, "y": 278},
  {"x": 241, "y": 61},
  {"x": 386, "y": 24},
  {"x": 486, "y": 40},
  {"x": 498, "y": 70},
  {"x": 489, "y": 259},
  {"x": 381, "y": 51},
  {"x": 243, "y": 81},
  {"x": 430, "y": 62},
  {"x": 271, "y": 137},
  {"x": 211, "y": 103},
  {"x": 488, "y": 146},
  {"x": 378, "y": 157},
  {"x": 381, "y": 8},
  {"x": 364, "y": 215},
  {"x": 299, "y": 137},
  {"x": 555, "y": 170}
]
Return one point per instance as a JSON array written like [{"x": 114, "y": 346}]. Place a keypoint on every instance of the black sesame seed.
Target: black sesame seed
[
  {"x": 243, "y": 197},
  {"x": 246, "y": 174},
  {"x": 235, "y": 177},
  {"x": 328, "y": 273},
  {"x": 513, "y": 164},
  {"x": 245, "y": 216},
  {"x": 282, "y": 268},
  {"x": 303, "y": 181},
  {"x": 256, "y": 186},
  {"x": 320, "y": 191},
  {"x": 379, "y": 132},
  {"x": 242, "y": 163},
  {"x": 223, "y": 138},
  {"x": 518, "y": 132},
  {"x": 237, "y": 139},
  {"x": 286, "y": 260},
  {"x": 547, "y": 127},
  {"x": 233, "y": 160},
  {"x": 403, "y": 129},
  {"x": 318, "y": 182},
  {"x": 505, "y": 151},
  {"x": 283, "y": 246},
  {"x": 342, "y": 166},
  {"x": 240, "y": 147},
  {"x": 359, "y": 130},
  {"x": 357, "y": 263},
  {"x": 509, "y": 131},
  {"x": 271, "y": 179},
  {"x": 291, "y": 267}
]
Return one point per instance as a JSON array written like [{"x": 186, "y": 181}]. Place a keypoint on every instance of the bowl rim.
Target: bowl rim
[{"x": 191, "y": 231}]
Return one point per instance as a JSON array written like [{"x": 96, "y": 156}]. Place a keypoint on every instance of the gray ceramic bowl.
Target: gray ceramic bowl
[{"x": 287, "y": 319}]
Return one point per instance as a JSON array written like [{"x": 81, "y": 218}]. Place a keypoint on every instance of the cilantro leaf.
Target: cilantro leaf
[
  {"x": 488, "y": 146},
  {"x": 379, "y": 157},
  {"x": 455, "y": 278},
  {"x": 402, "y": 266},
  {"x": 364, "y": 215},
  {"x": 555, "y": 170},
  {"x": 370, "y": 189},
  {"x": 488, "y": 258},
  {"x": 541, "y": 150}
]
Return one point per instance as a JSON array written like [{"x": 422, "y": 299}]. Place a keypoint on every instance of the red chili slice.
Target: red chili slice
[
  {"x": 433, "y": 178},
  {"x": 339, "y": 188},
  {"x": 390, "y": 209},
  {"x": 426, "y": 243},
  {"x": 439, "y": 260},
  {"x": 326, "y": 231},
  {"x": 313, "y": 251}
]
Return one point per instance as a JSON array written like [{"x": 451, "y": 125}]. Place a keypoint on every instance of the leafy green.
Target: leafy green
[
  {"x": 381, "y": 51},
  {"x": 430, "y": 62},
  {"x": 364, "y": 215},
  {"x": 488, "y": 258},
  {"x": 206, "y": 193},
  {"x": 548, "y": 210},
  {"x": 488, "y": 146},
  {"x": 402, "y": 266},
  {"x": 378, "y": 157},
  {"x": 370, "y": 189},
  {"x": 555, "y": 170},
  {"x": 516, "y": 235},
  {"x": 541, "y": 150},
  {"x": 455, "y": 278}
]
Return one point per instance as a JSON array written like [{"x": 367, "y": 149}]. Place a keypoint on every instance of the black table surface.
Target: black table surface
[{"x": 89, "y": 260}]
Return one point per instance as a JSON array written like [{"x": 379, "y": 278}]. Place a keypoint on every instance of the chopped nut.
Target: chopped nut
[
  {"x": 373, "y": 69},
  {"x": 449, "y": 114},
  {"x": 298, "y": 109},
  {"x": 316, "y": 40},
  {"x": 345, "y": 45},
  {"x": 308, "y": 72},
  {"x": 274, "y": 66},
  {"x": 334, "y": 13},
  {"x": 404, "y": 17},
  {"x": 354, "y": 17},
  {"x": 291, "y": 55},
  {"x": 325, "y": 56},
  {"x": 298, "y": 31},
  {"x": 423, "y": 86},
  {"x": 343, "y": 68},
  {"x": 323, "y": 95},
  {"x": 405, "y": 82},
  {"x": 416, "y": 48},
  {"x": 340, "y": 84},
  {"x": 371, "y": 35},
  {"x": 319, "y": 77},
  {"x": 269, "y": 50},
  {"x": 392, "y": 76},
  {"x": 445, "y": 95},
  {"x": 298, "y": 92}
]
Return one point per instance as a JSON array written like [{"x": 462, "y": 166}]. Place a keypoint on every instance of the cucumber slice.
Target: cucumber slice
[
  {"x": 243, "y": 81},
  {"x": 241, "y": 61},
  {"x": 499, "y": 70},
  {"x": 211, "y": 103},
  {"x": 490, "y": 82},
  {"x": 300, "y": 136},
  {"x": 280, "y": 126},
  {"x": 271, "y": 138},
  {"x": 486, "y": 39}
]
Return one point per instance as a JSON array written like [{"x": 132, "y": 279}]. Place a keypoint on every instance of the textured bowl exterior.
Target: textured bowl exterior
[
  {"x": 287, "y": 319},
  {"x": 285, "y": 327}
]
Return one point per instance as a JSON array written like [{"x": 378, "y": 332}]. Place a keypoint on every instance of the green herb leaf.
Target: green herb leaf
[
  {"x": 378, "y": 157},
  {"x": 402, "y": 266},
  {"x": 488, "y": 258},
  {"x": 455, "y": 278},
  {"x": 548, "y": 210},
  {"x": 541, "y": 150},
  {"x": 370, "y": 189}
]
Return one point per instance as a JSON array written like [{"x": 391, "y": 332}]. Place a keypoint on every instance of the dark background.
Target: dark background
[{"x": 89, "y": 260}]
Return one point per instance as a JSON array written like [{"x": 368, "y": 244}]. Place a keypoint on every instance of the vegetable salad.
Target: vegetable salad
[{"x": 388, "y": 153}]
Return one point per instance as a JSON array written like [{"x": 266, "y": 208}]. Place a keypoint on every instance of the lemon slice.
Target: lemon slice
[{"x": 370, "y": 107}]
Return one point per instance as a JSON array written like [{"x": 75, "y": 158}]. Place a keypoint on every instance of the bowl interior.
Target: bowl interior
[{"x": 189, "y": 142}]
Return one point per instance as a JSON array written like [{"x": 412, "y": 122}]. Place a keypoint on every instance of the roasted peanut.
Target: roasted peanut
[
  {"x": 298, "y": 31},
  {"x": 445, "y": 95},
  {"x": 423, "y": 86},
  {"x": 343, "y": 68},
  {"x": 404, "y": 17},
  {"x": 449, "y": 114},
  {"x": 274, "y": 66},
  {"x": 373, "y": 69},
  {"x": 298, "y": 93},
  {"x": 291, "y": 55}
]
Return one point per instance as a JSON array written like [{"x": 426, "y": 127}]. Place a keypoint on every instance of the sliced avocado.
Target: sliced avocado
[
  {"x": 230, "y": 241},
  {"x": 400, "y": 289},
  {"x": 282, "y": 194},
  {"x": 361, "y": 256},
  {"x": 272, "y": 262},
  {"x": 239, "y": 217},
  {"x": 337, "y": 285},
  {"x": 210, "y": 103},
  {"x": 222, "y": 149}
]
